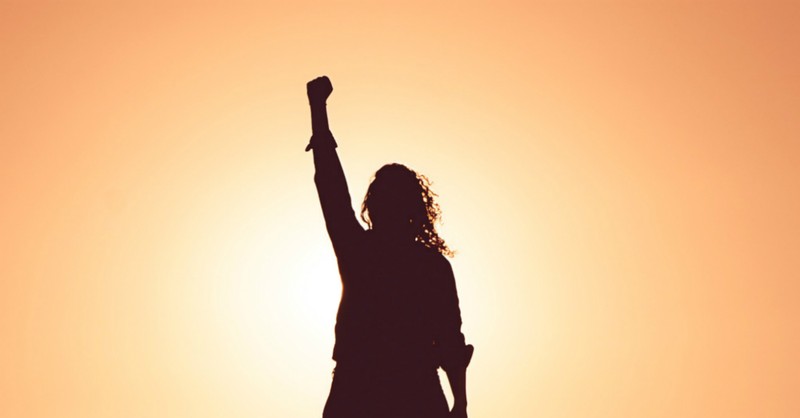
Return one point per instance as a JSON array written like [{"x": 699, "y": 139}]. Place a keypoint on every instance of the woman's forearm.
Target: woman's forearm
[
  {"x": 321, "y": 133},
  {"x": 457, "y": 377},
  {"x": 319, "y": 118}
]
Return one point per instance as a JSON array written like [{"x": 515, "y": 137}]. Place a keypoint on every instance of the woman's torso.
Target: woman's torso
[{"x": 388, "y": 304}]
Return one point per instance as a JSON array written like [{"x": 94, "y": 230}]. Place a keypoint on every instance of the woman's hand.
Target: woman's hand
[
  {"x": 318, "y": 90},
  {"x": 458, "y": 411}
]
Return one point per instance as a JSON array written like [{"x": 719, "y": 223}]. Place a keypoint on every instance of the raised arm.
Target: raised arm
[{"x": 334, "y": 196}]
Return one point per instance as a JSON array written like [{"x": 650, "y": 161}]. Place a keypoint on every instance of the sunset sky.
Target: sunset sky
[{"x": 620, "y": 180}]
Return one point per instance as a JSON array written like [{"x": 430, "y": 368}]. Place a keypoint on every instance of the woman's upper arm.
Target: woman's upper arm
[
  {"x": 334, "y": 197},
  {"x": 449, "y": 335}
]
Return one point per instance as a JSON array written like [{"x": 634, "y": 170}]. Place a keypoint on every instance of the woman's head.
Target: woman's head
[{"x": 400, "y": 201}]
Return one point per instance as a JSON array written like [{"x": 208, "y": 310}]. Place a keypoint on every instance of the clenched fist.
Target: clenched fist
[{"x": 318, "y": 90}]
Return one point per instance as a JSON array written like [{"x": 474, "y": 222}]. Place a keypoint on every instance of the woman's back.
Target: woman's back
[{"x": 394, "y": 302}]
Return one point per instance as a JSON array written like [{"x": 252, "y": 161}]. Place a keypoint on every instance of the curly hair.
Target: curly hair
[{"x": 400, "y": 196}]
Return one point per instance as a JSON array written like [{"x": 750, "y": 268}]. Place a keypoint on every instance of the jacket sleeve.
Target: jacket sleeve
[
  {"x": 454, "y": 353},
  {"x": 334, "y": 196}
]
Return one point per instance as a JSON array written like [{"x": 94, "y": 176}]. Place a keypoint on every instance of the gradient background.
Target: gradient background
[{"x": 620, "y": 180}]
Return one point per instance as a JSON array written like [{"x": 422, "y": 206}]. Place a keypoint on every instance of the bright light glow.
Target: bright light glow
[{"x": 619, "y": 179}]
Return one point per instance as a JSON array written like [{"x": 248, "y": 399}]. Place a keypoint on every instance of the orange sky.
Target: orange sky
[{"x": 620, "y": 180}]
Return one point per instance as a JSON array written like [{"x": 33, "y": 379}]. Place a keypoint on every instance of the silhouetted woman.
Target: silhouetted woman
[{"x": 398, "y": 318}]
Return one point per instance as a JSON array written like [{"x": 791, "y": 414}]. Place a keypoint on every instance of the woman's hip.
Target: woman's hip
[{"x": 359, "y": 391}]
